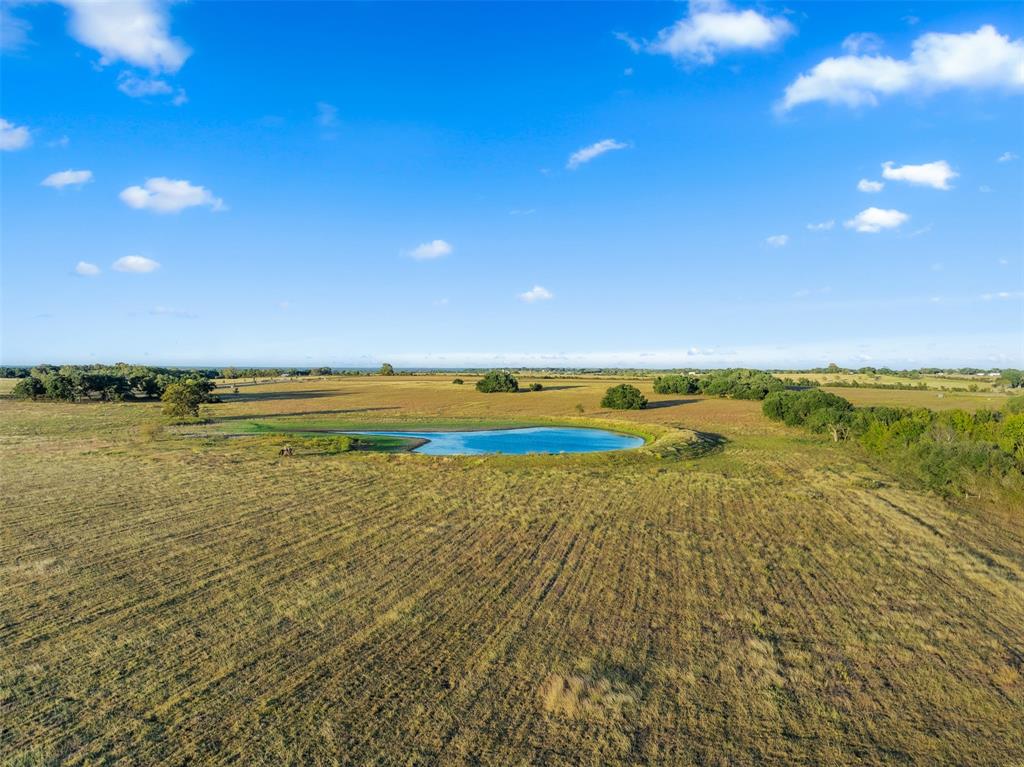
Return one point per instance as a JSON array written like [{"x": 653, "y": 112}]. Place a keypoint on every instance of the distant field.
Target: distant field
[
  {"x": 935, "y": 400},
  {"x": 171, "y": 598},
  {"x": 983, "y": 383}
]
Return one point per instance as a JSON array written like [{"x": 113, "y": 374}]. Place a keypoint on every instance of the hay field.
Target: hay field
[{"x": 173, "y": 599}]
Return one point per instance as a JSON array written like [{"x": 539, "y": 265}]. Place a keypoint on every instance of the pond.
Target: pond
[{"x": 540, "y": 439}]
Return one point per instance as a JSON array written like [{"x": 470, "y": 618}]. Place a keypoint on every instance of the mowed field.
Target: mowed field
[{"x": 182, "y": 597}]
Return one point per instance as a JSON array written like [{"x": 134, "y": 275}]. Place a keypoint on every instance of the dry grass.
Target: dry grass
[{"x": 166, "y": 599}]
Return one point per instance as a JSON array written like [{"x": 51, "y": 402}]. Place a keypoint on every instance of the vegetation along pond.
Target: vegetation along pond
[{"x": 541, "y": 439}]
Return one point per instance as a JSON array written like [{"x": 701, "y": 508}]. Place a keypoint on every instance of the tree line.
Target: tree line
[
  {"x": 947, "y": 451},
  {"x": 106, "y": 383}
]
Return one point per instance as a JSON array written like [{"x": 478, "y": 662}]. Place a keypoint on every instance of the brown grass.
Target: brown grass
[{"x": 175, "y": 599}]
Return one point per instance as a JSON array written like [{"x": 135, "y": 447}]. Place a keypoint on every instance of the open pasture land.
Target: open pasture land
[
  {"x": 934, "y": 400},
  {"x": 982, "y": 383},
  {"x": 168, "y": 598}
]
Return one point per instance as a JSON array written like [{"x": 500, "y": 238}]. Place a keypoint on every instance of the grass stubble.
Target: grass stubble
[{"x": 168, "y": 599}]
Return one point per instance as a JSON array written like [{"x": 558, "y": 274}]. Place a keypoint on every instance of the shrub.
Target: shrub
[
  {"x": 28, "y": 388},
  {"x": 458, "y": 381},
  {"x": 676, "y": 384},
  {"x": 536, "y": 387},
  {"x": 386, "y": 369},
  {"x": 497, "y": 381},
  {"x": 624, "y": 397},
  {"x": 794, "y": 407}
]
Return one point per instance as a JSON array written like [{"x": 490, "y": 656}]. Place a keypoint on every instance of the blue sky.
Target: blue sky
[{"x": 528, "y": 184}]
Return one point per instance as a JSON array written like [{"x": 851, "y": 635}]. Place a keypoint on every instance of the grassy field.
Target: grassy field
[
  {"x": 983, "y": 383},
  {"x": 173, "y": 596}
]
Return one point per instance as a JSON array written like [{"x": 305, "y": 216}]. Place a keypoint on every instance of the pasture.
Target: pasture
[{"x": 178, "y": 595}]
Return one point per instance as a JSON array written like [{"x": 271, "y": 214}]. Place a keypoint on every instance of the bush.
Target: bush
[
  {"x": 794, "y": 407},
  {"x": 28, "y": 388},
  {"x": 536, "y": 387},
  {"x": 624, "y": 397},
  {"x": 676, "y": 384},
  {"x": 386, "y": 369},
  {"x": 497, "y": 381},
  {"x": 458, "y": 381}
]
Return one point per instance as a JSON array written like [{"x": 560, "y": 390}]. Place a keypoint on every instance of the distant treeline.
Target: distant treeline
[
  {"x": 947, "y": 451},
  {"x": 108, "y": 383}
]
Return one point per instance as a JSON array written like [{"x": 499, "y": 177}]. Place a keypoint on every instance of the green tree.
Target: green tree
[
  {"x": 182, "y": 398},
  {"x": 386, "y": 369},
  {"x": 60, "y": 387},
  {"x": 624, "y": 397},
  {"x": 28, "y": 388},
  {"x": 497, "y": 381},
  {"x": 676, "y": 384}
]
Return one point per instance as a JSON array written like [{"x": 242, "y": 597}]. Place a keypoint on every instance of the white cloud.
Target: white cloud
[
  {"x": 876, "y": 219},
  {"x": 714, "y": 27},
  {"x": 862, "y": 42},
  {"x": 166, "y": 311},
  {"x": 326, "y": 114},
  {"x": 65, "y": 178},
  {"x": 777, "y": 240},
  {"x": 432, "y": 249},
  {"x": 13, "y": 31},
  {"x": 134, "y": 31},
  {"x": 135, "y": 264},
  {"x": 59, "y": 143},
  {"x": 823, "y": 226},
  {"x": 934, "y": 174},
  {"x": 864, "y": 185},
  {"x": 588, "y": 153},
  {"x": 165, "y": 195},
  {"x": 13, "y": 136},
  {"x": 86, "y": 269},
  {"x": 1008, "y": 157},
  {"x": 137, "y": 87},
  {"x": 938, "y": 62},
  {"x": 536, "y": 293}
]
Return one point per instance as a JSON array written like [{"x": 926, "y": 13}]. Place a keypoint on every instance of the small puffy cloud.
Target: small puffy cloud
[
  {"x": 536, "y": 293},
  {"x": 1008, "y": 157},
  {"x": 864, "y": 185},
  {"x": 588, "y": 153},
  {"x": 137, "y": 87},
  {"x": 934, "y": 174},
  {"x": 714, "y": 27},
  {"x": 862, "y": 42},
  {"x": 938, "y": 62},
  {"x": 777, "y": 240},
  {"x": 822, "y": 226},
  {"x": 135, "y": 265},
  {"x": 13, "y": 137},
  {"x": 86, "y": 269},
  {"x": 59, "y": 143},
  {"x": 876, "y": 219},
  {"x": 429, "y": 250},
  {"x": 165, "y": 195},
  {"x": 133, "y": 31},
  {"x": 65, "y": 178}
]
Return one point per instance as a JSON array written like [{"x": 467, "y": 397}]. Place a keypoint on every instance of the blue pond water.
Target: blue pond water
[{"x": 541, "y": 439}]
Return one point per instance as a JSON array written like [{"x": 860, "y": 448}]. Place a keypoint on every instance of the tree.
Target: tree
[
  {"x": 28, "y": 388},
  {"x": 624, "y": 397},
  {"x": 182, "y": 398},
  {"x": 497, "y": 381},
  {"x": 536, "y": 387},
  {"x": 676, "y": 384},
  {"x": 60, "y": 387},
  {"x": 386, "y": 369}
]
